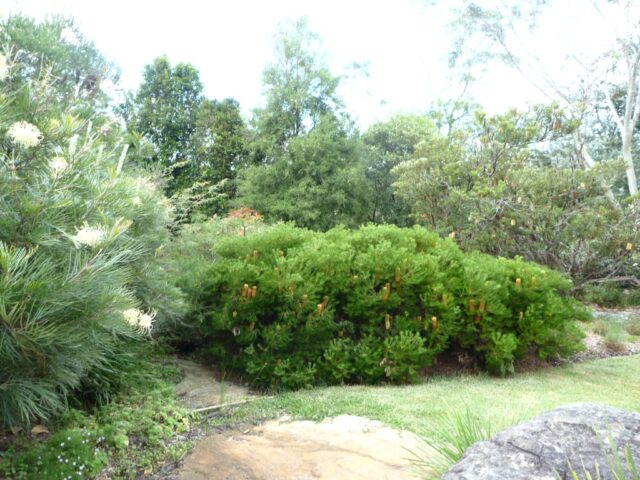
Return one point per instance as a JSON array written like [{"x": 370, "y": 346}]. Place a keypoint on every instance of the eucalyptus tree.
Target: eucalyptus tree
[{"x": 496, "y": 31}]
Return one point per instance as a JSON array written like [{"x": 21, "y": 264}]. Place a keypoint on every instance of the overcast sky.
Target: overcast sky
[{"x": 404, "y": 42}]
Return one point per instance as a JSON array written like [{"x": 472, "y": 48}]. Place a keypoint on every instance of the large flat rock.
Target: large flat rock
[{"x": 344, "y": 447}]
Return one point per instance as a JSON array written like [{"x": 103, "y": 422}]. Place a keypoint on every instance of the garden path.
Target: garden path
[
  {"x": 201, "y": 388},
  {"x": 344, "y": 447}
]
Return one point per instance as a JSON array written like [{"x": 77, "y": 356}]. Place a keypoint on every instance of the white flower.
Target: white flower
[
  {"x": 24, "y": 134},
  {"x": 58, "y": 165},
  {"x": 131, "y": 316},
  {"x": 73, "y": 144},
  {"x": 4, "y": 68},
  {"x": 145, "y": 321},
  {"x": 142, "y": 321},
  {"x": 90, "y": 236}
]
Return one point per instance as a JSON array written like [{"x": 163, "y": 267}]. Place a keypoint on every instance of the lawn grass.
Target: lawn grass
[{"x": 501, "y": 401}]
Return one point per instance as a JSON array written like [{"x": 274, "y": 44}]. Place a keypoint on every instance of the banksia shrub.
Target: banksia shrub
[{"x": 375, "y": 304}]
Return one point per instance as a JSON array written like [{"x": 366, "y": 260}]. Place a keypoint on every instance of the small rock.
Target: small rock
[{"x": 38, "y": 430}]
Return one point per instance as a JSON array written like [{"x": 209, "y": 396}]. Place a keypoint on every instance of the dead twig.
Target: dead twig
[{"x": 229, "y": 404}]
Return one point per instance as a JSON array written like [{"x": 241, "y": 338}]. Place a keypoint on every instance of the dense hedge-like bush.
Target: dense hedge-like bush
[{"x": 291, "y": 308}]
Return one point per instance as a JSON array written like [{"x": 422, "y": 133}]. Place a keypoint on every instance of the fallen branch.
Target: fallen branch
[
  {"x": 628, "y": 279},
  {"x": 230, "y": 404}
]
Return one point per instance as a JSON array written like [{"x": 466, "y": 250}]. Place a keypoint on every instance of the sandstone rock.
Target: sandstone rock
[
  {"x": 542, "y": 448},
  {"x": 341, "y": 448}
]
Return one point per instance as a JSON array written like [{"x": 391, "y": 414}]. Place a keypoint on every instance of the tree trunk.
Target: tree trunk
[
  {"x": 588, "y": 162},
  {"x": 627, "y": 156}
]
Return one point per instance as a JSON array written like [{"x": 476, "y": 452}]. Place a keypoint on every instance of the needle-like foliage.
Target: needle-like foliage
[{"x": 79, "y": 234}]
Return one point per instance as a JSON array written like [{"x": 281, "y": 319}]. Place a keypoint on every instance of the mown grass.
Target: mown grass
[
  {"x": 500, "y": 401},
  {"x": 451, "y": 413}
]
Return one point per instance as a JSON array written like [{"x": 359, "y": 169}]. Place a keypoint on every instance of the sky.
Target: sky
[{"x": 404, "y": 43}]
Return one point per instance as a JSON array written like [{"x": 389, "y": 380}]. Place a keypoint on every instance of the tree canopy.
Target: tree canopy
[
  {"x": 308, "y": 166},
  {"x": 164, "y": 110}
]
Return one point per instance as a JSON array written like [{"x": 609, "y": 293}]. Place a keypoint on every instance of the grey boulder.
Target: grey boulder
[{"x": 542, "y": 449}]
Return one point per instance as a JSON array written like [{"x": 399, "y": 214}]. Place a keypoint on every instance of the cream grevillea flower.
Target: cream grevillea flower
[
  {"x": 90, "y": 236},
  {"x": 142, "y": 321},
  {"x": 24, "y": 134},
  {"x": 73, "y": 144},
  {"x": 131, "y": 316},
  {"x": 145, "y": 321},
  {"x": 4, "y": 68},
  {"x": 58, "y": 165}
]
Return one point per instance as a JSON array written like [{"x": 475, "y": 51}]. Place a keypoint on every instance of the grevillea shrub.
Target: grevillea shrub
[
  {"x": 80, "y": 282},
  {"x": 290, "y": 308}
]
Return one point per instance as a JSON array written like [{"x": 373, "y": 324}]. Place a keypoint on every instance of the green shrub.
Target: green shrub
[
  {"x": 133, "y": 435},
  {"x": 486, "y": 182},
  {"x": 610, "y": 295},
  {"x": 190, "y": 254},
  {"x": 292, "y": 308},
  {"x": 79, "y": 234},
  {"x": 405, "y": 355}
]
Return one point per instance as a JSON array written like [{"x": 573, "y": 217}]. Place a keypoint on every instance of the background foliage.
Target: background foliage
[
  {"x": 515, "y": 185},
  {"x": 496, "y": 188}
]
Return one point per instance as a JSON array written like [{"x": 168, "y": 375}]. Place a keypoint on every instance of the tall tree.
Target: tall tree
[
  {"x": 623, "y": 83},
  {"x": 220, "y": 144},
  {"x": 318, "y": 182},
  {"x": 610, "y": 73},
  {"x": 386, "y": 144},
  {"x": 307, "y": 161},
  {"x": 165, "y": 109},
  {"x": 56, "y": 52},
  {"x": 298, "y": 86}
]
